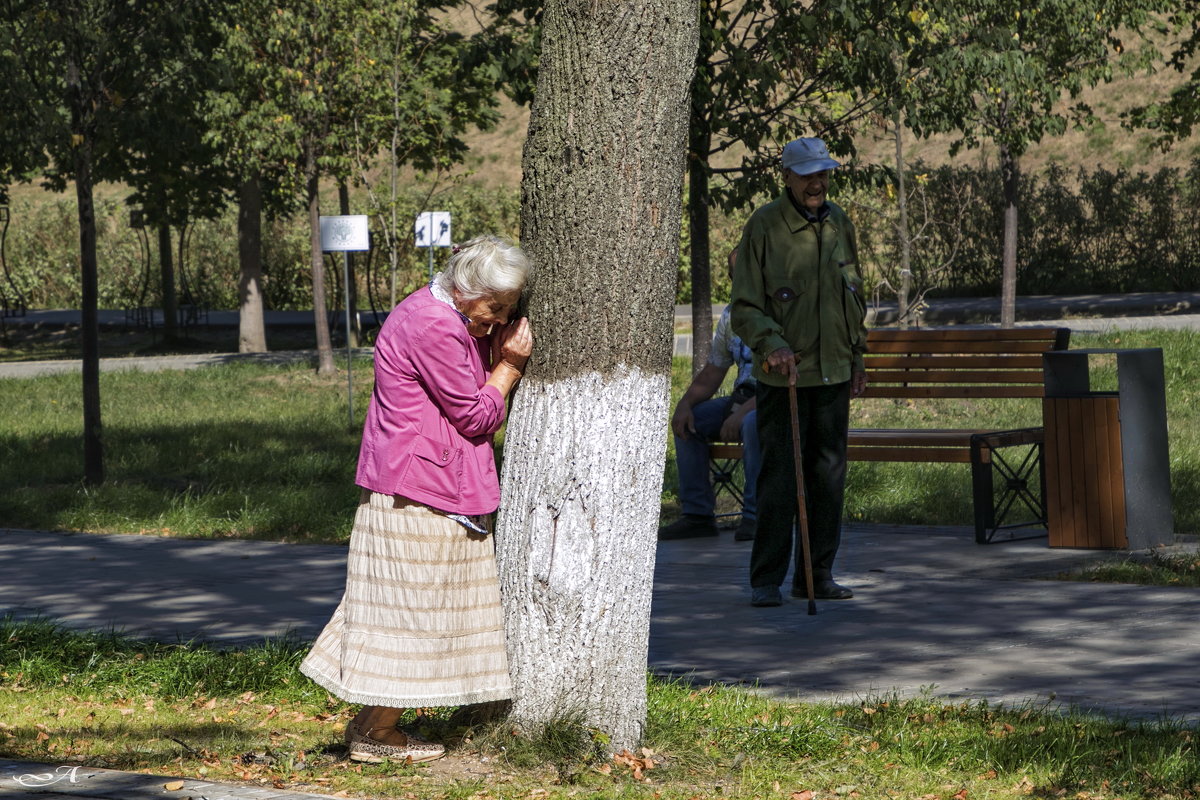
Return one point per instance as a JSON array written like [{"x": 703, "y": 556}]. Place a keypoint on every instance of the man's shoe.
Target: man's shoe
[
  {"x": 765, "y": 596},
  {"x": 824, "y": 590},
  {"x": 689, "y": 526},
  {"x": 745, "y": 530}
]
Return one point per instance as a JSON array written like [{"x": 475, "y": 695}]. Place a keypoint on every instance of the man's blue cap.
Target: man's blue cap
[{"x": 806, "y": 156}]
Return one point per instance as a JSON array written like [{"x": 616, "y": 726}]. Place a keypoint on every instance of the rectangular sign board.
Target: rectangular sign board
[
  {"x": 432, "y": 229},
  {"x": 348, "y": 233}
]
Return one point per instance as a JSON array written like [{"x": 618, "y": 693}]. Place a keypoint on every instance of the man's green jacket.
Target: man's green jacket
[{"x": 796, "y": 285}]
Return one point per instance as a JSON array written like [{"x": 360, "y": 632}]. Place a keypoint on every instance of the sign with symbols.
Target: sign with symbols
[
  {"x": 345, "y": 234},
  {"x": 432, "y": 229}
]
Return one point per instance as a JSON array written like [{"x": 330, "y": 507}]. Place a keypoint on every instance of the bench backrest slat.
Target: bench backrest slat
[
  {"x": 1029, "y": 362},
  {"x": 955, "y": 376},
  {"x": 966, "y": 391},
  {"x": 959, "y": 362},
  {"x": 999, "y": 347}
]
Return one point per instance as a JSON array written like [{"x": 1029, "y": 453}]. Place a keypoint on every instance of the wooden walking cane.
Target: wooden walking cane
[{"x": 802, "y": 506}]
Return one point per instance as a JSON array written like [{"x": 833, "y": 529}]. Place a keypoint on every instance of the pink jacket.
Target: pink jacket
[{"x": 428, "y": 434}]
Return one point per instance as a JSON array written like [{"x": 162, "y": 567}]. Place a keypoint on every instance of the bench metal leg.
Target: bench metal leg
[
  {"x": 1018, "y": 477},
  {"x": 725, "y": 473}
]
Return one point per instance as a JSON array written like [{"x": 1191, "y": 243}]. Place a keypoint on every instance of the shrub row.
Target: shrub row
[{"x": 1088, "y": 231}]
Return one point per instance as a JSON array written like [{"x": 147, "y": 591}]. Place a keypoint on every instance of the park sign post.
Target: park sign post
[
  {"x": 432, "y": 229},
  {"x": 346, "y": 234}
]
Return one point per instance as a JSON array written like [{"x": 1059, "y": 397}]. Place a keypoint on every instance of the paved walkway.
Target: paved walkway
[
  {"x": 932, "y": 609},
  {"x": 933, "y": 612}
]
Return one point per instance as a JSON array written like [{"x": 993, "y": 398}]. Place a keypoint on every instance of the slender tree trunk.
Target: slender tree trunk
[
  {"x": 325, "y": 365},
  {"x": 602, "y": 177},
  {"x": 902, "y": 225},
  {"x": 93, "y": 442},
  {"x": 166, "y": 273},
  {"x": 352, "y": 299},
  {"x": 252, "y": 329},
  {"x": 701, "y": 256},
  {"x": 1010, "y": 172}
]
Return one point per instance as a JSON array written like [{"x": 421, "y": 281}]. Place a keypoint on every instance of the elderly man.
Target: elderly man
[{"x": 798, "y": 304}]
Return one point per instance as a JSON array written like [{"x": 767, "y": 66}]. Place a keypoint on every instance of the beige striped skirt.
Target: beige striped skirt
[{"x": 420, "y": 623}]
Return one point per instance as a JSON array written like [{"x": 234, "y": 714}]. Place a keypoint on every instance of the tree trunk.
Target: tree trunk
[
  {"x": 701, "y": 257},
  {"x": 166, "y": 272},
  {"x": 902, "y": 228},
  {"x": 252, "y": 329},
  {"x": 93, "y": 443},
  {"x": 602, "y": 177},
  {"x": 325, "y": 364},
  {"x": 1010, "y": 172},
  {"x": 352, "y": 284}
]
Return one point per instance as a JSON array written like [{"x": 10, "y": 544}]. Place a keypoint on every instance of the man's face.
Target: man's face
[{"x": 809, "y": 190}]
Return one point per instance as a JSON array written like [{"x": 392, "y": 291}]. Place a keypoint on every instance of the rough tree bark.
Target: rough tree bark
[
  {"x": 325, "y": 365},
  {"x": 602, "y": 180},
  {"x": 166, "y": 271},
  {"x": 699, "y": 200},
  {"x": 1010, "y": 172},
  {"x": 351, "y": 302},
  {"x": 93, "y": 442},
  {"x": 252, "y": 329}
]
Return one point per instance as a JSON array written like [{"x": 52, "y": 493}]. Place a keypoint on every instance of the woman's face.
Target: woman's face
[{"x": 486, "y": 311}]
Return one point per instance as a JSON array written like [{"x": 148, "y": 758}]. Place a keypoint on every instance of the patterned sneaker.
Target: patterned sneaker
[{"x": 372, "y": 751}]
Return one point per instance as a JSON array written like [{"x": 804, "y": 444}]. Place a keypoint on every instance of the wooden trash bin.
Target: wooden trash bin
[{"x": 1106, "y": 455}]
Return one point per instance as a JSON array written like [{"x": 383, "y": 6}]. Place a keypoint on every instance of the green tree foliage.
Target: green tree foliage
[
  {"x": 996, "y": 70},
  {"x": 1175, "y": 116},
  {"x": 315, "y": 88},
  {"x": 76, "y": 73}
]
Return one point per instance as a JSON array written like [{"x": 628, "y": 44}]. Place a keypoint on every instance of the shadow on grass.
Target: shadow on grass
[{"x": 287, "y": 480}]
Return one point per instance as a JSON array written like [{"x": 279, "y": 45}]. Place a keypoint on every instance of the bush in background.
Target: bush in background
[{"x": 1081, "y": 232}]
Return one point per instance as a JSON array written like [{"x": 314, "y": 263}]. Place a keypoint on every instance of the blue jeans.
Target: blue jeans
[{"x": 691, "y": 458}]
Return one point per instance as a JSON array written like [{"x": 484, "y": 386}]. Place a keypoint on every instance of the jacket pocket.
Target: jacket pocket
[
  {"x": 854, "y": 305},
  {"x": 791, "y": 302},
  {"x": 433, "y": 468}
]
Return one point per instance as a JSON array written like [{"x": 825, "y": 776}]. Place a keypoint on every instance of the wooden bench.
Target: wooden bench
[{"x": 961, "y": 362}]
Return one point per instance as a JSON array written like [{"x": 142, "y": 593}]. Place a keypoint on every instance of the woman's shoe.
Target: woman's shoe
[{"x": 372, "y": 751}]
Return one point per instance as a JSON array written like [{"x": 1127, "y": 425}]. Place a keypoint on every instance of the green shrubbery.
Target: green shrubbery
[
  {"x": 1080, "y": 232},
  {"x": 41, "y": 251}
]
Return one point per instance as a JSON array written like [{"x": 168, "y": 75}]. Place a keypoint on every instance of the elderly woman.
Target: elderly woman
[{"x": 420, "y": 623}]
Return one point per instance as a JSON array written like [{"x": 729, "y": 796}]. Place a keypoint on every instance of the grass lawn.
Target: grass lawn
[
  {"x": 265, "y": 451},
  {"x": 249, "y": 716}
]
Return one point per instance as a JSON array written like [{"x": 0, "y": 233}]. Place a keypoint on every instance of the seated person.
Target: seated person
[{"x": 700, "y": 418}]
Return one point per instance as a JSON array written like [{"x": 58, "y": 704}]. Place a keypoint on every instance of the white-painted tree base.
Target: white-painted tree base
[{"x": 575, "y": 540}]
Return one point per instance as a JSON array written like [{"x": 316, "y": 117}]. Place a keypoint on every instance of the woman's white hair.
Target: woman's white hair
[{"x": 483, "y": 267}]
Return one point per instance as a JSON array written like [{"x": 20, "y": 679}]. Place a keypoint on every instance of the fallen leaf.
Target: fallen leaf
[
  {"x": 173, "y": 786},
  {"x": 804, "y": 795},
  {"x": 961, "y": 794}
]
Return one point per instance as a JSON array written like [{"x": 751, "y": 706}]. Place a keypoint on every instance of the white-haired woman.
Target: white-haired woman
[{"x": 420, "y": 623}]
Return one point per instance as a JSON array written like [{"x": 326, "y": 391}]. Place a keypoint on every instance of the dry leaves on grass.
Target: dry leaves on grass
[{"x": 637, "y": 764}]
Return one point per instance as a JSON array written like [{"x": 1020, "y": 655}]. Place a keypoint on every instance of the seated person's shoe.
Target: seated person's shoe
[
  {"x": 689, "y": 526},
  {"x": 824, "y": 589},
  {"x": 745, "y": 530},
  {"x": 765, "y": 596}
]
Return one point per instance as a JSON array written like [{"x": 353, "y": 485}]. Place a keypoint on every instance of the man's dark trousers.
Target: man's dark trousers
[{"x": 824, "y": 413}]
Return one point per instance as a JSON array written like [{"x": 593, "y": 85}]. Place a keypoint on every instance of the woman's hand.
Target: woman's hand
[{"x": 515, "y": 343}]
